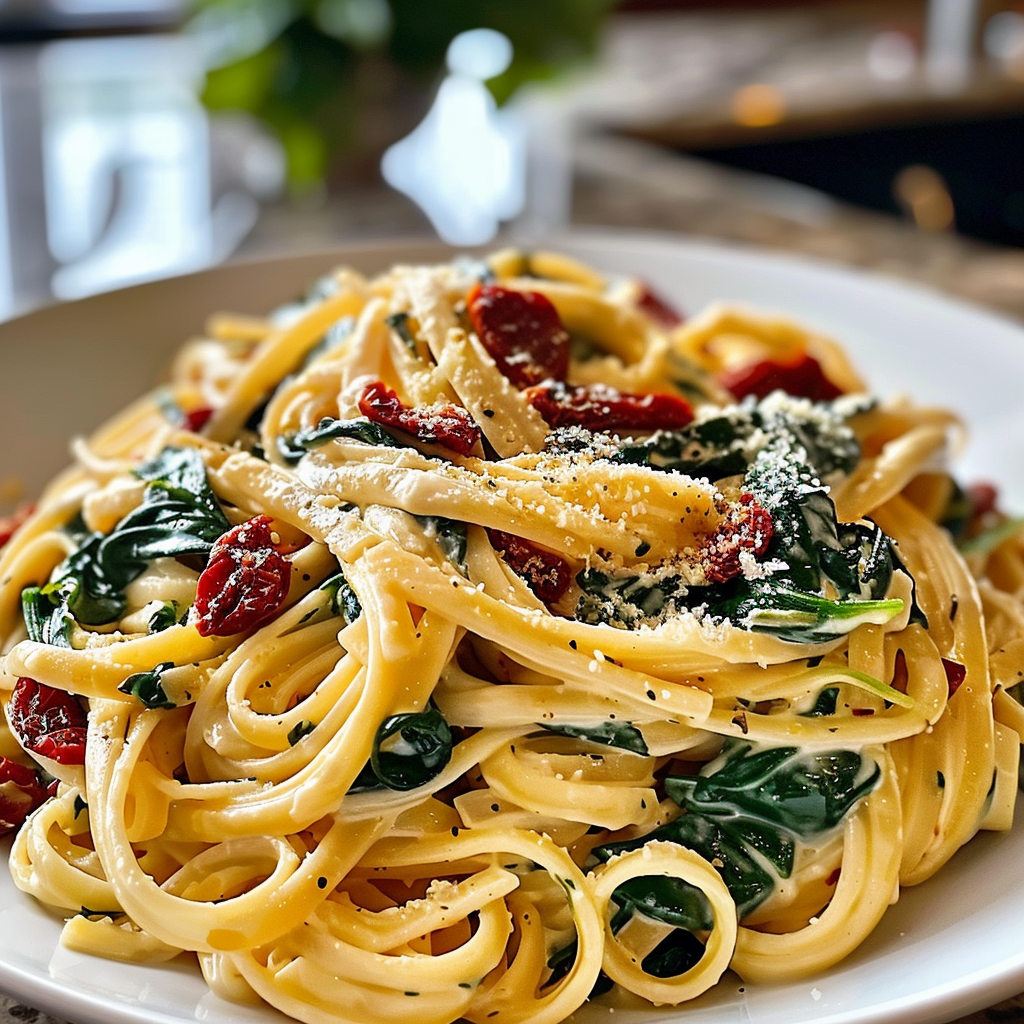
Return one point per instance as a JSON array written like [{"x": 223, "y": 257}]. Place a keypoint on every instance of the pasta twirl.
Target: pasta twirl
[{"x": 477, "y": 640}]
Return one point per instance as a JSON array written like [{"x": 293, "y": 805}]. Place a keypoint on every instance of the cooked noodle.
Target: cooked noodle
[{"x": 404, "y": 704}]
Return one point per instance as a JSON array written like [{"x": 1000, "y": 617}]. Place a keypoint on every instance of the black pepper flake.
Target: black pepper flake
[
  {"x": 954, "y": 607},
  {"x": 489, "y": 413},
  {"x": 495, "y": 808},
  {"x": 321, "y": 882},
  {"x": 306, "y": 577},
  {"x": 572, "y": 644},
  {"x": 651, "y": 695},
  {"x": 455, "y": 830}
]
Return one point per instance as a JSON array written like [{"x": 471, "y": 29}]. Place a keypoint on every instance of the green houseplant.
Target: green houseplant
[{"x": 338, "y": 80}]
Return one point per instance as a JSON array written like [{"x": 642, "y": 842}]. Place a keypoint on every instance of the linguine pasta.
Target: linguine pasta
[{"x": 477, "y": 640}]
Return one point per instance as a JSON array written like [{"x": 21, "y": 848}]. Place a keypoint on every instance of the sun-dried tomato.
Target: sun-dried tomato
[
  {"x": 801, "y": 377},
  {"x": 48, "y": 721},
  {"x": 450, "y": 426},
  {"x": 245, "y": 581},
  {"x": 983, "y": 498},
  {"x": 21, "y": 792},
  {"x": 522, "y": 332},
  {"x": 748, "y": 528},
  {"x": 10, "y": 524},
  {"x": 657, "y": 309},
  {"x": 955, "y": 674},
  {"x": 601, "y": 407},
  {"x": 548, "y": 575},
  {"x": 197, "y": 419}
]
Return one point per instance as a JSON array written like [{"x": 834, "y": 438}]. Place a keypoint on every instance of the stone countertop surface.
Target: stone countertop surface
[{"x": 624, "y": 184}]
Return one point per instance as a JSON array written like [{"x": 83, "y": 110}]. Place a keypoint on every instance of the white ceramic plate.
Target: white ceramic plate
[{"x": 950, "y": 946}]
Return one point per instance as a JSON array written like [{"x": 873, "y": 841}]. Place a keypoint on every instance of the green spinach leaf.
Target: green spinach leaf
[
  {"x": 292, "y": 447},
  {"x": 179, "y": 515},
  {"x": 745, "y": 816},
  {"x": 148, "y": 688},
  {"x": 623, "y": 735},
  {"x": 408, "y": 751},
  {"x": 450, "y": 536}
]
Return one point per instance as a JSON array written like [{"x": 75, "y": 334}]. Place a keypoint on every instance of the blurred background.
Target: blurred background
[{"x": 142, "y": 138}]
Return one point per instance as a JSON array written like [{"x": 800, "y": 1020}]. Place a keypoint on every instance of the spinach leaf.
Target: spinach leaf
[
  {"x": 164, "y": 617},
  {"x": 337, "y": 333},
  {"x": 411, "y": 749},
  {"x": 408, "y": 751},
  {"x": 179, "y": 515},
  {"x": 344, "y": 601},
  {"x": 726, "y": 444},
  {"x": 767, "y": 606},
  {"x": 450, "y": 536},
  {"x": 677, "y": 953},
  {"x": 745, "y": 816},
  {"x": 293, "y": 446},
  {"x": 627, "y": 599},
  {"x": 399, "y": 323},
  {"x": 147, "y": 687},
  {"x": 48, "y": 619},
  {"x": 623, "y": 735},
  {"x": 824, "y": 704},
  {"x": 804, "y": 793},
  {"x": 712, "y": 448},
  {"x": 303, "y": 728}
]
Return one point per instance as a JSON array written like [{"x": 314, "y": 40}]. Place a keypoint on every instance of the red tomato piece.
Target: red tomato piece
[
  {"x": 522, "y": 331},
  {"x": 955, "y": 674},
  {"x": 600, "y": 407},
  {"x": 657, "y": 309},
  {"x": 802, "y": 377},
  {"x": 982, "y": 496},
  {"x": 197, "y": 419},
  {"x": 245, "y": 581},
  {"x": 548, "y": 575},
  {"x": 450, "y": 426},
  {"x": 748, "y": 528},
  {"x": 21, "y": 792},
  {"x": 9, "y": 524},
  {"x": 48, "y": 721}
]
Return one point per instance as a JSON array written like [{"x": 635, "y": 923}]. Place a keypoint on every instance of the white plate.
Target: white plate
[{"x": 950, "y": 946}]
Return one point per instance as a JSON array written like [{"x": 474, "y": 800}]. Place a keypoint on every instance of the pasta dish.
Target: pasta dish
[{"x": 485, "y": 639}]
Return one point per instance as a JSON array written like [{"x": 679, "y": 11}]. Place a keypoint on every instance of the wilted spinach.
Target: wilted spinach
[
  {"x": 623, "y": 735},
  {"x": 148, "y": 688},
  {"x": 408, "y": 751},
  {"x": 292, "y": 447},
  {"x": 179, "y": 515},
  {"x": 745, "y": 816},
  {"x": 450, "y": 536}
]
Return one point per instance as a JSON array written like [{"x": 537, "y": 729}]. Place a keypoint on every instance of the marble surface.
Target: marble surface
[
  {"x": 624, "y": 184},
  {"x": 616, "y": 182}
]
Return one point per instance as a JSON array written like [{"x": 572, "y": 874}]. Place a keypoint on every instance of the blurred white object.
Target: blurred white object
[
  {"x": 891, "y": 56},
  {"x": 111, "y": 171},
  {"x": 465, "y": 162},
  {"x": 126, "y": 161},
  {"x": 1004, "y": 40},
  {"x": 950, "y": 36},
  {"x": 73, "y": 15}
]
